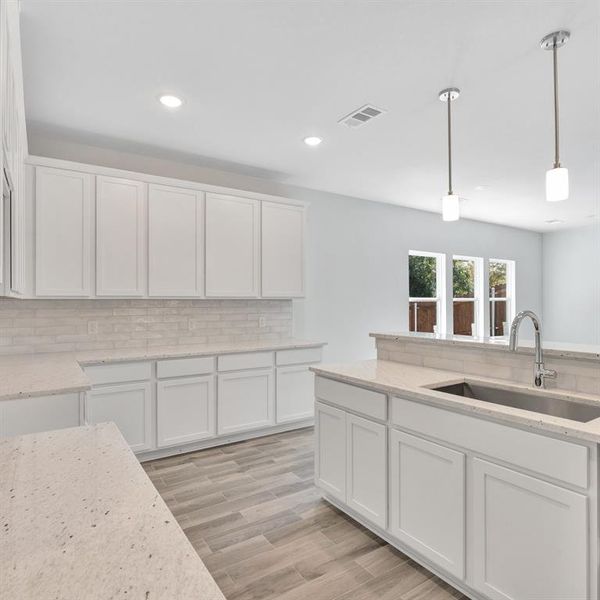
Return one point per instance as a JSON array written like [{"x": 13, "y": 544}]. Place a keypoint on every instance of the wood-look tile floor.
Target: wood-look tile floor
[{"x": 254, "y": 516}]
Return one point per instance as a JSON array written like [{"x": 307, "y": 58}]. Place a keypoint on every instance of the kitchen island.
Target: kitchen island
[{"x": 81, "y": 520}]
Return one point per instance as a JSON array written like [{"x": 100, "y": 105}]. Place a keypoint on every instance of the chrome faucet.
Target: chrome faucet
[{"x": 540, "y": 373}]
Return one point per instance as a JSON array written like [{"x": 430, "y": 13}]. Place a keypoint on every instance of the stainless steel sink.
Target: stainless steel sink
[{"x": 575, "y": 411}]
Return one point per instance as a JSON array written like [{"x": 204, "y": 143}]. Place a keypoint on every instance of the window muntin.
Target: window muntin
[{"x": 426, "y": 292}]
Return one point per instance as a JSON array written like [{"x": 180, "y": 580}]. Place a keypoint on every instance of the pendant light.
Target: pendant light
[
  {"x": 450, "y": 202},
  {"x": 557, "y": 178}
]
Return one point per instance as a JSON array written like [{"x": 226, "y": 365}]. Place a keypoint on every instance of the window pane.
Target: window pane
[
  {"x": 463, "y": 278},
  {"x": 498, "y": 324},
  {"x": 422, "y": 316},
  {"x": 464, "y": 318},
  {"x": 497, "y": 279},
  {"x": 422, "y": 276}
]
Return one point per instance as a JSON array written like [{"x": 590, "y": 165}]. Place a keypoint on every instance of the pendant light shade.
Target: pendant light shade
[
  {"x": 557, "y": 178},
  {"x": 557, "y": 184},
  {"x": 450, "y": 202},
  {"x": 450, "y": 208}
]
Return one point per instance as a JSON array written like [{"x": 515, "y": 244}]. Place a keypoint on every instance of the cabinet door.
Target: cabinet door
[
  {"x": 295, "y": 394},
  {"x": 427, "y": 500},
  {"x": 176, "y": 241},
  {"x": 330, "y": 458},
  {"x": 185, "y": 410},
  {"x": 282, "y": 250},
  {"x": 63, "y": 230},
  {"x": 43, "y": 413},
  {"x": 366, "y": 468},
  {"x": 120, "y": 237},
  {"x": 530, "y": 537},
  {"x": 232, "y": 245},
  {"x": 129, "y": 406},
  {"x": 245, "y": 400}
]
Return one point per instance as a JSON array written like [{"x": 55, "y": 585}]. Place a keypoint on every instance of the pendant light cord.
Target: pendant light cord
[
  {"x": 449, "y": 144},
  {"x": 556, "y": 132}
]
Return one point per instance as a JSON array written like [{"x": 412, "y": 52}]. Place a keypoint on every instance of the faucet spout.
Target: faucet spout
[{"x": 540, "y": 373}]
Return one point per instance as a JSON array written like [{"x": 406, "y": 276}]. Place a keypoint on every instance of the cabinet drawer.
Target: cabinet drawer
[
  {"x": 119, "y": 372},
  {"x": 357, "y": 399},
  {"x": 181, "y": 367},
  {"x": 548, "y": 456},
  {"x": 250, "y": 360},
  {"x": 298, "y": 356}
]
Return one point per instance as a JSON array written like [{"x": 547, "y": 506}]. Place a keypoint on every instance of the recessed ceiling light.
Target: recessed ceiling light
[
  {"x": 482, "y": 188},
  {"x": 312, "y": 140},
  {"x": 170, "y": 101},
  {"x": 554, "y": 221}
]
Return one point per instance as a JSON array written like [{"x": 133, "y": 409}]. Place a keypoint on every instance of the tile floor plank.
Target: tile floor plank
[{"x": 254, "y": 516}]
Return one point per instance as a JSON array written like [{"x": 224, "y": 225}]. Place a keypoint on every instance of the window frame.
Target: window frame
[
  {"x": 478, "y": 295},
  {"x": 440, "y": 288},
  {"x": 510, "y": 299}
]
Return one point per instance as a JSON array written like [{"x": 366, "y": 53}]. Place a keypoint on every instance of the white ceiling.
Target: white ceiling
[{"x": 259, "y": 76}]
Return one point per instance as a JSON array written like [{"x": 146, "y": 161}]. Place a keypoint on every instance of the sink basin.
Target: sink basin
[{"x": 575, "y": 411}]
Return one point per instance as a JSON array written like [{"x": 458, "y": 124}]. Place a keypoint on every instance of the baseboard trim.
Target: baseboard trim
[{"x": 223, "y": 440}]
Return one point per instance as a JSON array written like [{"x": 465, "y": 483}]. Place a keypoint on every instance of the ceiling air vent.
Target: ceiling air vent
[{"x": 361, "y": 116}]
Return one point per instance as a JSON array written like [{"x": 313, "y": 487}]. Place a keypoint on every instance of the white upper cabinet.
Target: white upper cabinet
[
  {"x": 232, "y": 246},
  {"x": 176, "y": 241},
  {"x": 120, "y": 237},
  {"x": 63, "y": 232},
  {"x": 282, "y": 250}
]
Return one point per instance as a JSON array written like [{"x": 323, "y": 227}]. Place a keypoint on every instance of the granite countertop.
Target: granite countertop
[
  {"x": 556, "y": 349},
  {"x": 414, "y": 383},
  {"x": 26, "y": 375},
  {"x": 81, "y": 520}
]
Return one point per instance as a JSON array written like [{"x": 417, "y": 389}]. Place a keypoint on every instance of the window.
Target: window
[
  {"x": 466, "y": 295},
  {"x": 426, "y": 312},
  {"x": 502, "y": 296}
]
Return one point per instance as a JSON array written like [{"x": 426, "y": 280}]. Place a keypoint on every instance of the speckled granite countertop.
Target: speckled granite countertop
[
  {"x": 27, "y": 375},
  {"x": 82, "y": 521},
  {"x": 414, "y": 383}
]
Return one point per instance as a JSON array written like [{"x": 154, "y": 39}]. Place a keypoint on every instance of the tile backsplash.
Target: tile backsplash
[
  {"x": 573, "y": 373},
  {"x": 28, "y": 326}
]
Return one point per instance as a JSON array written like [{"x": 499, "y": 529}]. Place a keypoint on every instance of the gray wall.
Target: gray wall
[
  {"x": 357, "y": 249},
  {"x": 571, "y": 285}
]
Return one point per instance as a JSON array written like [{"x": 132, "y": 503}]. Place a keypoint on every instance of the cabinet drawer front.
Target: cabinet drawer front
[
  {"x": 250, "y": 360},
  {"x": 119, "y": 372},
  {"x": 181, "y": 367},
  {"x": 366, "y": 402},
  {"x": 548, "y": 456},
  {"x": 298, "y": 356}
]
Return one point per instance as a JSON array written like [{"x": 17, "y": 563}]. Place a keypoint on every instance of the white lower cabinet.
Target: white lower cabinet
[
  {"x": 330, "y": 458},
  {"x": 185, "y": 410},
  {"x": 530, "y": 537},
  {"x": 129, "y": 406},
  {"x": 41, "y": 413},
  {"x": 427, "y": 500},
  {"x": 366, "y": 468},
  {"x": 245, "y": 400},
  {"x": 295, "y": 394}
]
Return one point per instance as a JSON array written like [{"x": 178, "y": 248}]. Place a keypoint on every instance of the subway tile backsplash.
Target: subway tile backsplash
[{"x": 29, "y": 326}]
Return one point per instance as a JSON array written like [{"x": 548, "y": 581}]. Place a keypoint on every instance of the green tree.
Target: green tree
[
  {"x": 463, "y": 279},
  {"x": 422, "y": 276}
]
